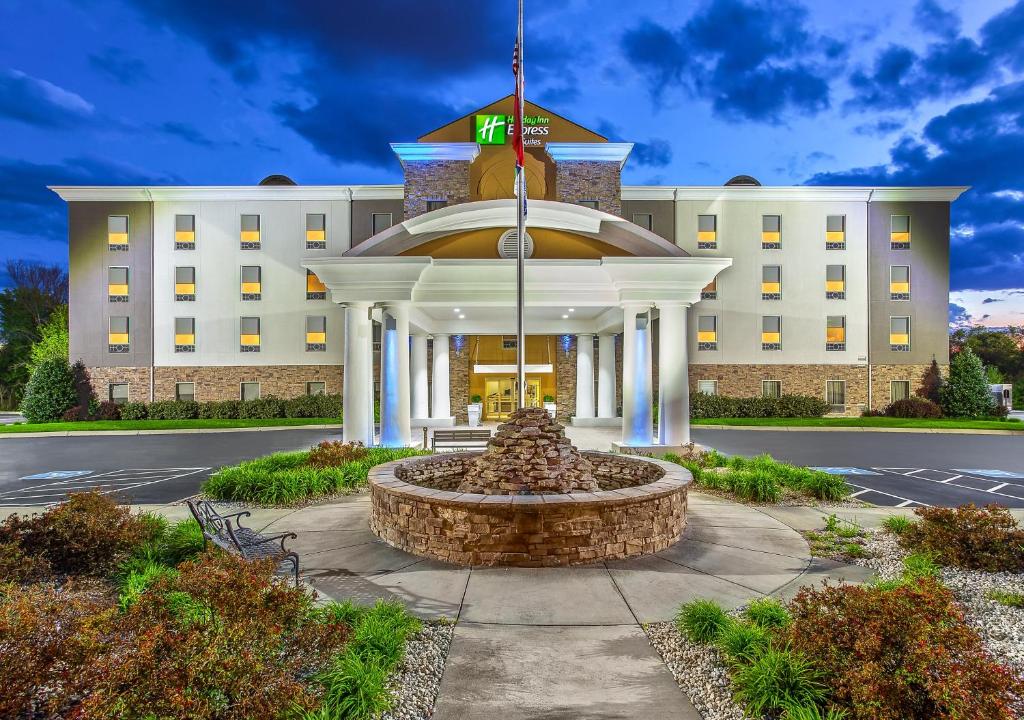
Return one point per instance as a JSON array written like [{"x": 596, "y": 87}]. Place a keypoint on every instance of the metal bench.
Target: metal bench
[
  {"x": 228, "y": 533},
  {"x": 459, "y": 439}
]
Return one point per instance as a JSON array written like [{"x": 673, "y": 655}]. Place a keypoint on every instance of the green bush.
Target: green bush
[
  {"x": 702, "y": 621},
  {"x": 704, "y": 406},
  {"x": 812, "y": 712},
  {"x": 777, "y": 679},
  {"x": 220, "y": 410},
  {"x": 264, "y": 408},
  {"x": 313, "y": 406},
  {"x": 180, "y": 542},
  {"x": 173, "y": 410},
  {"x": 133, "y": 411},
  {"x": 897, "y": 524},
  {"x": 50, "y": 392},
  {"x": 137, "y": 578},
  {"x": 919, "y": 565},
  {"x": 742, "y": 642},
  {"x": 757, "y": 485},
  {"x": 767, "y": 613},
  {"x": 825, "y": 486},
  {"x": 965, "y": 393}
]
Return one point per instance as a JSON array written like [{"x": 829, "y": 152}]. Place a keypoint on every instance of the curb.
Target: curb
[
  {"x": 787, "y": 428},
  {"x": 169, "y": 431}
]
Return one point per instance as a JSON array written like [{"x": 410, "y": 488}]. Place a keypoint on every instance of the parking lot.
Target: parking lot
[
  {"x": 130, "y": 484},
  {"x": 914, "y": 487}
]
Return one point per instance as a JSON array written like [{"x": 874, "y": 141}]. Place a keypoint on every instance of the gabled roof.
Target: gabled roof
[{"x": 504, "y": 105}]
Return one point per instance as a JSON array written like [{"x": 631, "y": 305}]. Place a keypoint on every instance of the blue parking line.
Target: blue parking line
[
  {"x": 58, "y": 475},
  {"x": 992, "y": 473},
  {"x": 845, "y": 471}
]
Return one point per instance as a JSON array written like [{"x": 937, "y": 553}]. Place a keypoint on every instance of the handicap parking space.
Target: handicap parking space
[
  {"x": 135, "y": 485},
  {"x": 915, "y": 487}
]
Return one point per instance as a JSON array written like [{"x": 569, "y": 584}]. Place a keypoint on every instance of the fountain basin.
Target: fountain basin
[{"x": 640, "y": 508}]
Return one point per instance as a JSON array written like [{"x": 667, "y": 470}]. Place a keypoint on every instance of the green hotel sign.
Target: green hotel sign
[{"x": 495, "y": 129}]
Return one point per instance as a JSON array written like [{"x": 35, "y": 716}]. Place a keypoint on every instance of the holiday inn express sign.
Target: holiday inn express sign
[{"x": 494, "y": 129}]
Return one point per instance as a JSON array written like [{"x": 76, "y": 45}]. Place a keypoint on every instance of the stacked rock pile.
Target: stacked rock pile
[{"x": 529, "y": 455}]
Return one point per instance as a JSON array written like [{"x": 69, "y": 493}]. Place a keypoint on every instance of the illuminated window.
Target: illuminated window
[
  {"x": 771, "y": 232},
  {"x": 771, "y": 282},
  {"x": 117, "y": 393},
  {"x": 835, "y": 232},
  {"x": 707, "y": 232},
  {"x": 710, "y": 291},
  {"x": 184, "y": 232},
  {"x": 771, "y": 332},
  {"x": 899, "y": 232},
  {"x": 184, "y": 334},
  {"x": 184, "y": 284},
  {"x": 835, "y": 282},
  {"x": 707, "y": 332},
  {"x": 707, "y": 387},
  {"x": 117, "y": 232},
  {"x": 315, "y": 289},
  {"x": 316, "y": 388},
  {"x": 899, "y": 282},
  {"x": 249, "y": 332},
  {"x": 379, "y": 222},
  {"x": 117, "y": 284},
  {"x": 835, "y": 395},
  {"x": 316, "y": 333},
  {"x": 835, "y": 333},
  {"x": 644, "y": 220},
  {"x": 249, "y": 391},
  {"x": 250, "y": 233},
  {"x": 316, "y": 231},
  {"x": 117, "y": 335},
  {"x": 252, "y": 282},
  {"x": 899, "y": 334},
  {"x": 899, "y": 390},
  {"x": 185, "y": 392},
  {"x": 771, "y": 388}
]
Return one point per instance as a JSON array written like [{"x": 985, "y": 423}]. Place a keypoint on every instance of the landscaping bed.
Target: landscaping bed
[
  {"x": 1009, "y": 424},
  {"x": 109, "y": 614},
  {"x": 210, "y": 423}
]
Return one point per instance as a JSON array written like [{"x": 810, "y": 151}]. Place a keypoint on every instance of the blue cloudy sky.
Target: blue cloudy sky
[{"x": 924, "y": 92}]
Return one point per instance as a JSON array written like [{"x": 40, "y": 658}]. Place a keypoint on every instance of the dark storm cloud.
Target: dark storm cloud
[
  {"x": 656, "y": 152},
  {"x": 117, "y": 65},
  {"x": 767, "y": 64},
  {"x": 958, "y": 315},
  {"x": 931, "y": 17},
  {"x": 189, "y": 133},
  {"x": 979, "y": 144},
  {"x": 1002, "y": 34},
  {"x": 986, "y": 301},
  {"x": 38, "y": 102}
]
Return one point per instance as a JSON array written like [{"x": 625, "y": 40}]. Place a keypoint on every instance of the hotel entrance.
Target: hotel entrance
[
  {"x": 500, "y": 396},
  {"x": 492, "y": 374}
]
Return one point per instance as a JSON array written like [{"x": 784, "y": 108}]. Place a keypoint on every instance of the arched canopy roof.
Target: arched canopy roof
[{"x": 576, "y": 219}]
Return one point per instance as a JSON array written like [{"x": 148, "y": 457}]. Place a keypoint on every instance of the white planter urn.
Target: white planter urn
[
  {"x": 550, "y": 407},
  {"x": 473, "y": 410}
]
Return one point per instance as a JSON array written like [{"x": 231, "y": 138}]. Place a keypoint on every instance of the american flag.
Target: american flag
[{"x": 517, "y": 123}]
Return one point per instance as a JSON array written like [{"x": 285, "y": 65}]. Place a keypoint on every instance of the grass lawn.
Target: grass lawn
[
  {"x": 163, "y": 424},
  {"x": 879, "y": 422}
]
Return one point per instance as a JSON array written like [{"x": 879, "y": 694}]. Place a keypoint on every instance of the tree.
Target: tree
[
  {"x": 966, "y": 393},
  {"x": 931, "y": 383},
  {"x": 50, "y": 392},
  {"x": 53, "y": 340}
]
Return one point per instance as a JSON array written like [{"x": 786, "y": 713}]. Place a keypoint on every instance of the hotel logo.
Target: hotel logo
[{"x": 491, "y": 129}]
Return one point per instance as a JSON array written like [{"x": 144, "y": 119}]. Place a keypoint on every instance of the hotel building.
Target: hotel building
[{"x": 405, "y": 294}]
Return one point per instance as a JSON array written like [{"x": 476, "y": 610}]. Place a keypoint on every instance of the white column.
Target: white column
[
  {"x": 584, "y": 376},
  {"x": 673, "y": 376},
  {"x": 418, "y": 379},
  {"x": 395, "y": 429},
  {"x": 357, "y": 400},
  {"x": 441, "y": 403},
  {"x": 606, "y": 376},
  {"x": 637, "y": 412}
]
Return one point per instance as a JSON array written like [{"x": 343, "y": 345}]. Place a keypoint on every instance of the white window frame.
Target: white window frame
[
  {"x": 110, "y": 391},
  {"x": 714, "y": 384},
  {"x": 195, "y": 388},
  {"x": 315, "y": 382},
  {"x": 259, "y": 389},
  {"x": 763, "y": 386},
  {"x": 893, "y": 382},
  {"x": 845, "y": 403}
]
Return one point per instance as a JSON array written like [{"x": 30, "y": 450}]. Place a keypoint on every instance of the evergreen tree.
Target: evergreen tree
[
  {"x": 966, "y": 394},
  {"x": 50, "y": 392},
  {"x": 53, "y": 340},
  {"x": 931, "y": 383}
]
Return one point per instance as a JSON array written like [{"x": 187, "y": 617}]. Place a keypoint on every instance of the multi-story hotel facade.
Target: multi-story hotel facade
[{"x": 404, "y": 295}]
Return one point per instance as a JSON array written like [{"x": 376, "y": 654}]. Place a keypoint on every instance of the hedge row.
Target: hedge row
[
  {"x": 304, "y": 406},
  {"x": 704, "y": 406}
]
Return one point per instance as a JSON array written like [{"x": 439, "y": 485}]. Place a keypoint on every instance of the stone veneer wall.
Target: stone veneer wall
[
  {"x": 428, "y": 519},
  {"x": 458, "y": 374},
  {"x": 745, "y": 380},
  {"x": 881, "y": 375},
  {"x": 590, "y": 180},
  {"x": 618, "y": 374},
  {"x": 136, "y": 377},
  {"x": 223, "y": 382},
  {"x": 565, "y": 380},
  {"x": 435, "y": 180}
]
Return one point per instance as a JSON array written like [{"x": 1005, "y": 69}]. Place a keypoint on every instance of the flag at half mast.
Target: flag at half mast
[{"x": 517, "y": 122}]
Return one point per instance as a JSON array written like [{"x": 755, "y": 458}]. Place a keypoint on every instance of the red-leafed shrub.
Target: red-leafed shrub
[
  {"x": 914, "y": 407},
  {"x": 335, "y": 454},
  {"x": 107, "y": 411},
  {"x": 17, "y": 566},
  {"x": 899, "y": 654},
  {"x": 73, "y": 414},
  {"x": 220, "y": 640},
  {"x": 969, "y": 537},
  {"x": 88, "y": 534}
]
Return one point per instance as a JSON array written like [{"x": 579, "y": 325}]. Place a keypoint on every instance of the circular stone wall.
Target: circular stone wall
[{"x": 639, "y": 509}]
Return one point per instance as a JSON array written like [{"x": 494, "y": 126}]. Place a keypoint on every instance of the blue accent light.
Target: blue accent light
[
  {"x": 566, "y": 341},
  {"x": 413, "y": 152},
  {"x": 390, "y": 436},
  {"x": 460, "y": 342},
  {"x": 640, "y": 431}
]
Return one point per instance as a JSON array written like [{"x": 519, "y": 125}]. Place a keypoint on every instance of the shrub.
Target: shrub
[
  {"x": 824, "y": 486},
  {"x": 913, "y": 407},
  {"x": 313, "y": 406},
  {"x": 966, "y": 392},
  {"x": 899, "y": 652},
  {"x": 182, "y": 541},
  {"x": 264, "y": 408},
  {"x": 106, "y": 411},
  {"x": 137, "y": 578},
  {"x": 920, "y": 565},
  {"x": 767, "y": 613},
  {"x": 334, "y": 453},
  {"x": 742, "y": 642},
  {"x": 50, "y": 392},
  {"x": 173, "y": 410},
  {"x": 897, "y": 524},
  {"x": 17, "y": 566},
  {"x": 220, "y": 410},
  {"x": 88, "y": 534},
  {"x": 74, "y": 414},
  {"x": 134, "y": 411},
  {"x": 969, "y": 537},
  {"x": 776, "y": 679},
  {"x": 701, "y": 621},
  {"x": 757, "y": 485},
  {"x": 931, "y": 383},
  {"x": 812, "y": 712}
]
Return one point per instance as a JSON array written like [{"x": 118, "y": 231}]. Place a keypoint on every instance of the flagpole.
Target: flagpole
[{"x": 520, "y": 232}]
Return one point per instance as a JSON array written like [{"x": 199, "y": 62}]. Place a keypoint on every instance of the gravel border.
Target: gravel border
[{"x": 415, "y": 682}]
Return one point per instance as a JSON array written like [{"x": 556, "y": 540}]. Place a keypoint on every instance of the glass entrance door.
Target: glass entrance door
[{"x": 500, "y": 396}]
